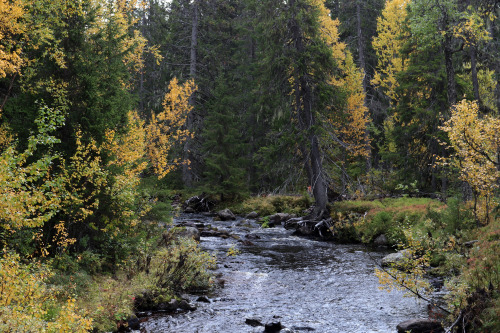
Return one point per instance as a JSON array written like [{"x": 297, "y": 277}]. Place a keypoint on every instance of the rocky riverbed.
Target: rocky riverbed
[{"x": 276, "y": 278}]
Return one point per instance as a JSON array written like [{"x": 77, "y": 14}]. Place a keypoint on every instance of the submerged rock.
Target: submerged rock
[{"x": 420, "y": 326}]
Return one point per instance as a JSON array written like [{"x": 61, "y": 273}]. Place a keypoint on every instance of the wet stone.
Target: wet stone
[
  {"x": 420, "y": 326},
  {"x": 252, "y": 215},
  {"x": 203, "y": 299},
  {"x": 184, "y": 305},
  {"x": 273, "y": 327},
  {"x": 253, "y": 322}
]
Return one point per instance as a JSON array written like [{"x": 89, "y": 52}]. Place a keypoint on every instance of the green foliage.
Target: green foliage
[
  {"x": 475, "y": 292},
  {"x": 265, "y": 222},
  {"x": 224, "y": 148},
  {"x": 383, "y": 223}
]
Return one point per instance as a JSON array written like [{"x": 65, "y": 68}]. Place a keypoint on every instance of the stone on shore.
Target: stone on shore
[
  {"x": 381, "y": 240},
  {"x": 396, "y": 260}
]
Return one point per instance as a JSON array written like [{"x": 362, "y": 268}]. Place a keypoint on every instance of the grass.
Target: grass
[{"x": 273, "y": 204}]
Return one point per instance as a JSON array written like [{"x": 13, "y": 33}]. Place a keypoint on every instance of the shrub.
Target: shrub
[
  {"x": 476, "y": 292},
  {"x": 181, "y": 267},
  {"x": 28, "y": 303},
  {"x": 382, "y": 223}
]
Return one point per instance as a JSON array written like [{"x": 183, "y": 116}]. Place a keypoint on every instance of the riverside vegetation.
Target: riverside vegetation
[{"x": 109, "y": 109}]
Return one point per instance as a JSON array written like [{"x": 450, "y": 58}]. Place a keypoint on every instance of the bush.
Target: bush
[
  {"x": 29, "y": 304},
  {"x": 476, "y": 292},
  {"x": 383, "y": 223},
  {"x": 181, "y": 267}
]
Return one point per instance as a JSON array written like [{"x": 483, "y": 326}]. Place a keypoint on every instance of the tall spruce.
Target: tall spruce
[{"x": 301, "y": 64}]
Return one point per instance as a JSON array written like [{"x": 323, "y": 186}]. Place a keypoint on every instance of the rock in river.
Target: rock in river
[
  {"x": 420, "y": 326},
  {"x": 252, "y": 215},
  {"x": 226, "y": 215}
]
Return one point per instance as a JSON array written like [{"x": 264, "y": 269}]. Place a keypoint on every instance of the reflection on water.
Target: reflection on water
[{"x": 306, "y": 285}]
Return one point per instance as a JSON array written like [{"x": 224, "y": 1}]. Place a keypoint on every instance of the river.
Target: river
[{"x": 307, "y": 285}]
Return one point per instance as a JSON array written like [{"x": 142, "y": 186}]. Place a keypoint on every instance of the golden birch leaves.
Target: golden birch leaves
[{"x": 167, "y": 127}]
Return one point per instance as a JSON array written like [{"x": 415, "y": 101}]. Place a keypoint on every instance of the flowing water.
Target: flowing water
[{"x": 307, "y": 285}]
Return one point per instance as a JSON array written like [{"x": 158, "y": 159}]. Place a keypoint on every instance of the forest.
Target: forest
[{"x": 110, "y": 110}]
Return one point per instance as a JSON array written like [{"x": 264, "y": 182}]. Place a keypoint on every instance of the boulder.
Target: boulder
[
  {"x": 254, "y": 322},
  {"x": 226, "y": 215},
  {"x": 273, "y": 327},
  {"x": 134, "y": 323},
  {"x": 184, "y": 305},
  {"x": 279, "y": 218},
  {"x": 203, "y": 299},
  {"x": 420, "y": 326},
  {"x": 397, "y": 259},
  {"x": 252, "y": 215},
  {"x": 173, "y": 304},
  {"x": 215, "y": 233},
  {"x": 380, "y": 240}
]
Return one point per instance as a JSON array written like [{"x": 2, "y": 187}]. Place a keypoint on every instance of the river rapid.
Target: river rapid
[{"x": 307, "y": 285}]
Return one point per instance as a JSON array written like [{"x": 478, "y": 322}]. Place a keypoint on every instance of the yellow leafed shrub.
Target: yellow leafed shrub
[{"x": 25, "y": 299}]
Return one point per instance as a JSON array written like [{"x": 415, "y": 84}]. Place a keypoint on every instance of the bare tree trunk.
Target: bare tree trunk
[
  {"x": 187, "y": 172},
  {"x": 362, "y": 65}
]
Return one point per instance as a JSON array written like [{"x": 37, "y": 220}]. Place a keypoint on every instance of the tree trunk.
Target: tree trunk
[
  {"x": 473, "y": 65},
  {"x": 362, "y": 65},
  {"x": 187, "y": 171},
  {"x": 304, "y": 99},
  {"x": 450, "y": 71}
]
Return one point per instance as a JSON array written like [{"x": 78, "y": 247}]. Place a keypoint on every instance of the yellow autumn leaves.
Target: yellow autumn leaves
[
  {"x": 349, "y": 125},
  {"x": 475, "y": 141},
  {"x": 387, "y": 44},
  {"x": 10, "y": 26},
  {"x": 25, "y": 301},
  {"x": 166, "y": 127}
]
